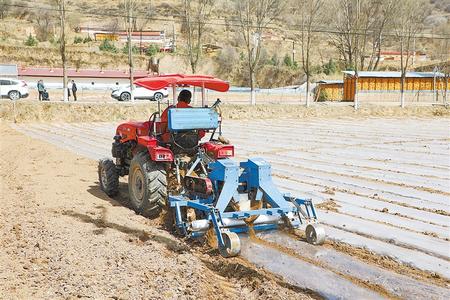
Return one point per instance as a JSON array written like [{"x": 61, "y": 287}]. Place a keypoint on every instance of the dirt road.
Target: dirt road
[{"x": 60, "y": 237}]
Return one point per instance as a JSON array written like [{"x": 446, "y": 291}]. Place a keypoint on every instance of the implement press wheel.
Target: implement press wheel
[
  {"x": 315, "y": 234},
  {"x": 232, "y": 244}
]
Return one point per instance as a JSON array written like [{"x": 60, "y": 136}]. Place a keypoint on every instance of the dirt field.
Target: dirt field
[
  {"x": 60, "y": 237},
  {"x": 382, "y": 186}
]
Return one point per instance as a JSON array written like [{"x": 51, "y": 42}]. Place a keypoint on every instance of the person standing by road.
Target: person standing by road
[
  {"x": 40, "y": 88},
  {"x": 69, "y": 88},
  {"x": 74, "y": 90}
]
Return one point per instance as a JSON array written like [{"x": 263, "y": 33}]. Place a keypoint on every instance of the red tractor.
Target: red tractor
[
  {"x": 156, "y": 159},
  {"x": 170, "y": 166}
]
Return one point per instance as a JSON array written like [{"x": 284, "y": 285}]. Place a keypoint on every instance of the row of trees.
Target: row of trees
[{"x": 356, "y": 28}]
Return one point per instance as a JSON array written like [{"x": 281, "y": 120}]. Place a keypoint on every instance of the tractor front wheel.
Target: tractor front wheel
[{"x": 147, "y": 185}]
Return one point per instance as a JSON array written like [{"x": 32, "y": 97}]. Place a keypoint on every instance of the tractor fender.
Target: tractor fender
[
  {"x": 131, "y": 130},
  {"x": 157, "y": 153}
]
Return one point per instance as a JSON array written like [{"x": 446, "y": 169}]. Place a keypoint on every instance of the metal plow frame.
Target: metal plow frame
[{"x": 256, "y": 178}]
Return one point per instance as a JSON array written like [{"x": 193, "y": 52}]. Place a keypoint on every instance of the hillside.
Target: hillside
[{"x": 40, "y": 20}]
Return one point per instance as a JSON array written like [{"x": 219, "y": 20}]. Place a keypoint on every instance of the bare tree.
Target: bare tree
[
  {"x": 443, "y": 66},
  {"x": 44, "y": 22},
  {"x": 62, "y": 43},
  {"x": 146, "y": 14},
  {"x": 359, "y": 26},
  {"x": 345, "y": 24},
  {"x": 195, "y": 14},
  {"x": 142, "y": 11},
  {"x": 113, "y": 26},
  {"x": 129, "y": 6},
  {"x": 253, "y": 17},
  {"x": 407, "y": 24},
  {"x": 310, "y": 17},
  {"x": 383, "y": 19}
]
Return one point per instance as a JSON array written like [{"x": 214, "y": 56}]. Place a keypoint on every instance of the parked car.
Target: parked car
[
  {"x": 13, "y": 89},
  {"x": 124, "y": 93}
]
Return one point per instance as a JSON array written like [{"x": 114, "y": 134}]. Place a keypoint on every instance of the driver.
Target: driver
[{"x": 184, "y": 98}]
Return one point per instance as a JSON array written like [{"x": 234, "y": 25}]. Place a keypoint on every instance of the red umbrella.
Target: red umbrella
[{"x": 162, "y": 81}]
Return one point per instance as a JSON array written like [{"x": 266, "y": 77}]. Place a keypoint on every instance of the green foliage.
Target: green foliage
[
  {"x": 324, "y": 96},
  {"x": 77, "y": 40},
  {"x": 287, "y": 61},
  {"x": 54, "y": 41},
  {"x": 350, "y": 68},
  {"x": 87, "y": 40},
  {"x": 31, "y": 41},
  {"x": 330, "y": 67},
  {"x": 151, "y": 50},
  {"x": 274, "y": 60},
  {"x": 134, "y": 49},
  {"x": 108, "y": 46}
]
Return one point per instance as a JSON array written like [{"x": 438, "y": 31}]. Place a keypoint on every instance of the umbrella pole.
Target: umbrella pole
[
  {"x": 174, "y": 91},
  {"x": 203, "y": 95}
]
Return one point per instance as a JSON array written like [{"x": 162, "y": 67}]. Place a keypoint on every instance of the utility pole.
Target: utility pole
[
  {"x": 62, "y": 47},
  {"x": 174, "y": 37},
  {"x": 358, "y": 12},
  {"x": 130, "y": 52},
  {"x": 293, "y": 51}
]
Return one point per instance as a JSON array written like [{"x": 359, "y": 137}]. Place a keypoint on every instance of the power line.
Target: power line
[{"x": 317, "y": 29}]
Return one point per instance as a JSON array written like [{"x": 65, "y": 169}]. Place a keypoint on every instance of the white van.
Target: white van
[{"x": 13, "y": 89}]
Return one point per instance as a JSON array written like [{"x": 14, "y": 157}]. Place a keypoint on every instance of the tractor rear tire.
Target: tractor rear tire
[
  {"x": 147, "y": 185},
  {"x": 108, "y": 177}
]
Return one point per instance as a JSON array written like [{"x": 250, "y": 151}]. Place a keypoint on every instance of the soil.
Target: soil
[
  {"x": 389, "y": 263},
  {"x": 61, "y": 237},
  {"x": 329, "y": 205}
]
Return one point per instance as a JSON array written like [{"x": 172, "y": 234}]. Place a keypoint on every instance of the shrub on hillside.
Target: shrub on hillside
[
  {"x": 31, "y": 41},
  {"x": 274, "y": 60},
  {"x": 108, "y": 46},
  {"x": 151, "y": 50},
  {"x": 77, "y": 40},
  {"x": 87, "y": 40},
  {"x": 54, "y": 41},
  {"x": 134, "y": 49},
  {"x": 288, "y": 62},
  {"x": 330, "y": 67}
]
